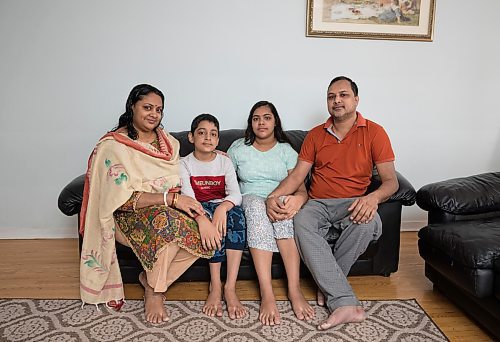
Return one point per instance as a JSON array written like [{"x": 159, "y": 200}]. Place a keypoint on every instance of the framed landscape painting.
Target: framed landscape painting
[{"x": 371, "y": 19}]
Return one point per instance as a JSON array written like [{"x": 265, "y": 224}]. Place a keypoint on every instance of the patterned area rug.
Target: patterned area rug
[{"x": 65, "y": 320}]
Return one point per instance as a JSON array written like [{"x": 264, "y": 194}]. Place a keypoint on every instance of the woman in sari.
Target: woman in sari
[{"x": 131, "y": 195}]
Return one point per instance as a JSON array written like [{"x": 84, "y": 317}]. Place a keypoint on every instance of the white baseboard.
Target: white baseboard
[{"x": 37, "y": 233}]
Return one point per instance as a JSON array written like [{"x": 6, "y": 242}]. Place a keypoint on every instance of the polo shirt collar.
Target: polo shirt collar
[{"x": 360, "y": 122}]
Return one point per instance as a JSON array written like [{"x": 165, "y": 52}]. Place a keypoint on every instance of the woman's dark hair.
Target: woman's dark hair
[
  {"x": 136, "y": 94},
  {"x": 278, "y": 128},
  {"x": 204, "y": 117}
]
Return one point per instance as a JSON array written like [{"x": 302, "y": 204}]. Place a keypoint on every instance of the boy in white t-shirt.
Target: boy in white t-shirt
[{"x": 210, "y": 177}]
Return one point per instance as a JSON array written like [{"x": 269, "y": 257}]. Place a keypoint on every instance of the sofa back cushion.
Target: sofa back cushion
[{"x": 228, "y": 136}]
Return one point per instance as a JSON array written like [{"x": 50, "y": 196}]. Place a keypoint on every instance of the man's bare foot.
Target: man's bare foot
[
  {"x": 320, "y": 298},
  {"x": 213, "y": 304},
  {"x": 154, "y": 310},
  {"x": 300, "y": 306},
  {"x": 344, "y": 314},
  {"x": 234, "y": 308}
]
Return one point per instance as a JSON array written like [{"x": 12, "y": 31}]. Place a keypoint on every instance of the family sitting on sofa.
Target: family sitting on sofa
[{"x": 210, "y": 205}]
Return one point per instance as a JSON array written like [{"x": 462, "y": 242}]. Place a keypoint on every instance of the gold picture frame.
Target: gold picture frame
[{"x": 371, "y": 19}]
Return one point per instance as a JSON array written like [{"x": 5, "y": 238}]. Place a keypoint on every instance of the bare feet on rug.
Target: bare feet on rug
[
  {"x": 269, "y": 314},
  {"x": 213, "y": 304},
  {"x": 234, "y": 307},
  {"x": 344, "y": 314},
  {"x": 300, "y": 306},
  {"x": 320, "y": 298},
  {"x": 154, "y": 310}
]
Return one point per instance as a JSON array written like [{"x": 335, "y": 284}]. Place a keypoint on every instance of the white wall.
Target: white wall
[{"x": 66, "y": 68}]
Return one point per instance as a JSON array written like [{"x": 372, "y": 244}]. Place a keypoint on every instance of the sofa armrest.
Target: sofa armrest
[
  {"x": 405, "y": 193},
  {"x": 471, "y": 195},
  {"x": 71, "y": 197}
]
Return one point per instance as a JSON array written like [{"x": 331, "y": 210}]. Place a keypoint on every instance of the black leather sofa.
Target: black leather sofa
[
  {"x": 381, "y": 257},
  {"x": 461, "y": 244}
]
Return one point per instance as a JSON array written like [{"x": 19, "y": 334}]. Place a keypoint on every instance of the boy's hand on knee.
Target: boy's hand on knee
[
  {"x": 209, "y": 234},
  {"x": 220, "y": 217}
]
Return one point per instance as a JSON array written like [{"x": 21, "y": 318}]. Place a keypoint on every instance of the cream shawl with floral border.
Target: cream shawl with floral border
[{"x": 117, "y": 167}]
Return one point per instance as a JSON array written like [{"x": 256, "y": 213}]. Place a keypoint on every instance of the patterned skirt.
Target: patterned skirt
[{"x": 148, "y": 230}]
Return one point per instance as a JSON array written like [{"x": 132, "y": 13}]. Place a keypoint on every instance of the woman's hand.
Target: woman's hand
[
  {"x": 209, "y": 234},
  {"x": 190, "y": 206}
]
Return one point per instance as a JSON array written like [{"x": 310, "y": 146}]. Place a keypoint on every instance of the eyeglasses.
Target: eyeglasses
[{"x": 205, "y": 134}]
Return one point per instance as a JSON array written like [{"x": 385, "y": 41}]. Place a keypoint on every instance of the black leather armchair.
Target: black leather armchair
[
  {"x": 461, "y": 244},
  {"x": 381, "y": 257}
]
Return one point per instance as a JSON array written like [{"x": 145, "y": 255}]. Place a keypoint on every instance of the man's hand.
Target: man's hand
[
  {"x": 209, "y": 235},
  {"x": 293, "y": 204},
  {"x": 363, "y": 209}
]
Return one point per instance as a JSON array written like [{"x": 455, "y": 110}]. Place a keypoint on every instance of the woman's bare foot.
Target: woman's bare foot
[
  {"x": 269, "y": 314},
  {"x": 154, "y": 310},
  {"x": 234, "y": 308},
  {"x": 344, "y": 314},
  {"x": 320, "y": 298},
  {"x": 300, "y": 306},
  {"x": 213, "y": 304}
]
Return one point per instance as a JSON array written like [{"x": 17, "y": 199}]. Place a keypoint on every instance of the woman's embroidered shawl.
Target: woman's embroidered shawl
[{"x": 117, "y": 167}]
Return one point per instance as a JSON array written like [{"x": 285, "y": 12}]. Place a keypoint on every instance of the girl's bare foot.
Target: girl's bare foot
[
  {"x": 300, "y": 306},
  {"x": 269, "y": 314},
  {"x": 234, "y": 307},
  {"x": 154, "y": 310},
  {"x": 213, "y": 304},
  {"x": 344, "y": 314},
  {"x": 320, "y": 298}
]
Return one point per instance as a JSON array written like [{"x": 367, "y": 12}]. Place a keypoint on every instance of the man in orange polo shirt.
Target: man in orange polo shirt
[{"x": 341, "y": 154}]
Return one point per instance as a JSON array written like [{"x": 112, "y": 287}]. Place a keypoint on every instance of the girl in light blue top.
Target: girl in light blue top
[{"x": 262, "y": 160}]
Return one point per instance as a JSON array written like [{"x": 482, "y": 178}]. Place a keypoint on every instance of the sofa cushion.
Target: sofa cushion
[
  {"x": 474, "y": 244},
  {"x": 465, "y": 252}
]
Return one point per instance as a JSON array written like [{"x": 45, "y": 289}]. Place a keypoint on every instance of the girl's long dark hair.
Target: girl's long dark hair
[
  {"x": 127, "y": 118},
  {"x": 279, "y": 134}
]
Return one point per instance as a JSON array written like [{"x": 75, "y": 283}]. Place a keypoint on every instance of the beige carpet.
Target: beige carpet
[{"x": 64, "y": 321}]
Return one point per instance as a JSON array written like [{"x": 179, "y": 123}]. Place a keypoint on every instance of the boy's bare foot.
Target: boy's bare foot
[
  {"x": 234, "y": 308},
  {"x": 344, "y": 314},
  {"x": 269, "y": 314},
  {"x": 213, "y": 304},
  {"x": 154, "y": 310},
  {"x": 300, "y": 306},
  {"x": 320, "y": 298}
]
